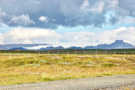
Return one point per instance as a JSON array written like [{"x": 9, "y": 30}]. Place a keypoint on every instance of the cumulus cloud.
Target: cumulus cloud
[
  {"x": 67, "y": 39},
  {"x": 1, "y": 39},
  {"x": 77, "y": 39},
  {"x": 30, "y": 35},
  {"x": 123, "y": 33},
  {"x": 21, "y": 20},
  {"x": 43, "y": 19},
  {"x": 105, "y": 37}
]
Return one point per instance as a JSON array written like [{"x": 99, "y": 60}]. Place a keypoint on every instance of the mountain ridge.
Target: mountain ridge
[{"x": 118, "y": 44}]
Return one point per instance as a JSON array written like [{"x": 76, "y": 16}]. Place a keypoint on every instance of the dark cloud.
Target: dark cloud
[
  {"x": 127, "y": 4},
  {"x": 66, "y": 12}
]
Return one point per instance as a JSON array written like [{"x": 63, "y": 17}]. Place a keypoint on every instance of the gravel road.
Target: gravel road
[{"x": 98, "y": 83}]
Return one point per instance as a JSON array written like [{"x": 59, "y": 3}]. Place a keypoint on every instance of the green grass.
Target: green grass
[{"x": 19, "y": 68}]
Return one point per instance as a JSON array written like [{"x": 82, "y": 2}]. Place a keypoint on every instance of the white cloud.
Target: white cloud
[
  {"x": 67, "y": 39},
  {"x": 30, "y": 35},
  {"x": 3, "y": 25},
  {"x": 77, "y": 38},
  {"x": 1, "y": 39},
  {"x": 43, "y": 19},
  {"x": 106, "y": 37},
  {"x": 123, "y": 33},
  {"x": 21, "y": 20}
]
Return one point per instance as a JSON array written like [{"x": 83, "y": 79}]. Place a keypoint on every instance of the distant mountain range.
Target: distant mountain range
[
  {"x": 118, "y": 44},
  {"x": 19, "y": 46}
]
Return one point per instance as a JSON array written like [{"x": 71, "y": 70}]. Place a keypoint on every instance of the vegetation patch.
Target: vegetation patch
[{"x": 18, "y": 68}]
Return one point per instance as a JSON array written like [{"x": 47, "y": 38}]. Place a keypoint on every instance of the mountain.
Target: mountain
[
  {"x": 13, "y": 46},
  {"x": 52, "y": 48},
  {"x": 118, "y": 44},
  {"x": 74, "y": 47},
  {"x": 18, "y": 48}
]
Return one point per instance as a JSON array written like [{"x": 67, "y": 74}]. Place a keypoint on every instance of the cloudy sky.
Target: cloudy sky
[{"x": 67, "y": 22}]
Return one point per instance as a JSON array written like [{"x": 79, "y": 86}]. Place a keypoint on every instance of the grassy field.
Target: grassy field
[{"x": 21, "y": 68}]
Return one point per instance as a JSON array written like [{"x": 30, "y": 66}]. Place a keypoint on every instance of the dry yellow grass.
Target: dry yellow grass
[{"x": 31, "y": 68}]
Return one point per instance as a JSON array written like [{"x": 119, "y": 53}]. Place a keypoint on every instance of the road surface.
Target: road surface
[{"x": 98, "y": 83}]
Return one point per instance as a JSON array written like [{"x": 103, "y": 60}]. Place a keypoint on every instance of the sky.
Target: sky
[{"x": 67, "y": 22}]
